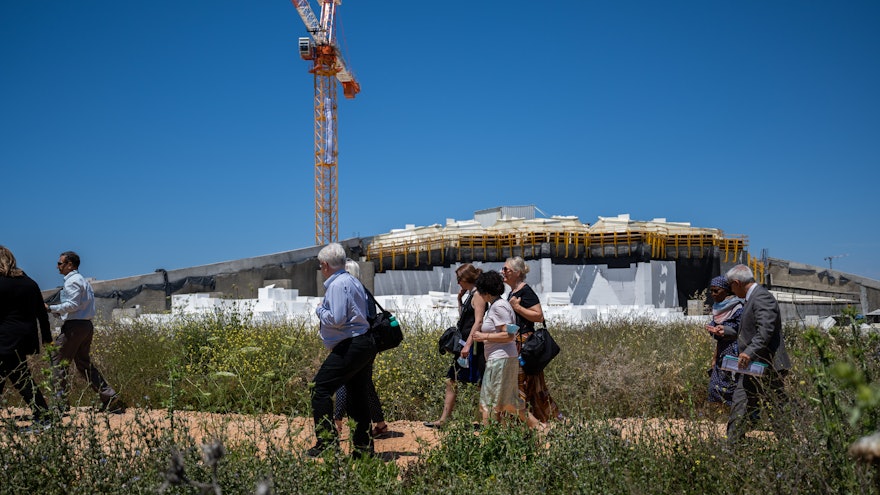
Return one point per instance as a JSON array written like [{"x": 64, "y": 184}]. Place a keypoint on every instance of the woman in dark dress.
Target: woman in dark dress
[
  {"x": 21, "y": 307},
  {"x": 532, "y": 388},
  {"x": 470, "y": 315},
  {"x": 724, "y": 328}
]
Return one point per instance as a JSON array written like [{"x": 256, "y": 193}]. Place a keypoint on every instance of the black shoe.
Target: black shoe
[
  {"x": 113, "y": 406},
  {"x": 37, "y": 426},
  {"x": 379, "y": 433},
  {"x": 358, "y": 454},
  {"x": 319, "y": 449}
]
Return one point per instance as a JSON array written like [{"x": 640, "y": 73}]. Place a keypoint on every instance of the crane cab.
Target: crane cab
[{"x": 306, "y": 49}]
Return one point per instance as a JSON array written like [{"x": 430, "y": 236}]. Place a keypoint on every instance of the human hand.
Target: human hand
[
  {"x": 514, "y": 302},
  {"x": 466, "y": 351},
  {"x": 744, "y": 361}
]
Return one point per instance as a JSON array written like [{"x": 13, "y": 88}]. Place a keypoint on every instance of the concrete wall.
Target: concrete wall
[
  {"x": 799, "y": 278},
  {"x": 298, "y": 269}
]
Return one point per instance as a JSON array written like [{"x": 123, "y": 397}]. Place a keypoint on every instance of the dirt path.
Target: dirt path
[{"x": 406, "y": 441}]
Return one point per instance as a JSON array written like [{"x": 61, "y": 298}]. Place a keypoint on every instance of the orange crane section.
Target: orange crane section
[{"x": 328, "y": 66}]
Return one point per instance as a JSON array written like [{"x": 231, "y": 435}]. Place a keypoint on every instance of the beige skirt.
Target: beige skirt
[{"x": 500, "y": 390}]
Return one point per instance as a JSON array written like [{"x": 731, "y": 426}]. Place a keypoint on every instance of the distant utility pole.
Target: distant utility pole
[{"x": 829, "y": 259}]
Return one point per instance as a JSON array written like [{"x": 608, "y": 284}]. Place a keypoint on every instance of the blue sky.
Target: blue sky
[{"x": 171, "y": 134}]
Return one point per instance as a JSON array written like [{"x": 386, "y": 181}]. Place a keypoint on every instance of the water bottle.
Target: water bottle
[{"x": 393, "y": 320}]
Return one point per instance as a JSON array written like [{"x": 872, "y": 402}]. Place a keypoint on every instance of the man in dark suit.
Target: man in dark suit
[{"x": 760, "y": 340}]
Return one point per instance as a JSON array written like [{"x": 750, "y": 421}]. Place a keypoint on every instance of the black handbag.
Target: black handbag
[
  {"x": 537, "y": 351},
  {"x": 384, "y": 327},
  {"x": 450, "y": 341}
]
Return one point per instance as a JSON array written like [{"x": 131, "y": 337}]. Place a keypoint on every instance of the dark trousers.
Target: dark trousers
[
  {"x": 350, "y": 363},
  {"x": 74, "y": 345},
  {"x": 15, "y": 368},
  {"x": 754, "y": 395}
]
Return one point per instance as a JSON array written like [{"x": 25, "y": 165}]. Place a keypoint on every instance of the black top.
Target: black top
[
  {"x": 466, "y": 317},
  {"x": 21, "y": 306},
  {"x": 527, "y": 299}
]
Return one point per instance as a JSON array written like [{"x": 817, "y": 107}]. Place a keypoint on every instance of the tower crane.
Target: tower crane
[
  {"x": 328, "y": 66},
  {"x": 829, "y": 259}
]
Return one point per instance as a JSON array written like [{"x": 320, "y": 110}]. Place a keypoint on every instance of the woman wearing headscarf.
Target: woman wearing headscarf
[
  {"x": 21, "y": 307},
  {"x": 525, "y": 303},
  {"x": 723, "y": 327}
]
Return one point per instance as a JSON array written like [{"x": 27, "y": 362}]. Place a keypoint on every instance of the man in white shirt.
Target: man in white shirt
[{"x": 76, "y": 309}]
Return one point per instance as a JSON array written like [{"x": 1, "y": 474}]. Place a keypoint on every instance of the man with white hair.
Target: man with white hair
[
  {"x": 345, "y": 332},
  {"x": 760, "y": 340}
]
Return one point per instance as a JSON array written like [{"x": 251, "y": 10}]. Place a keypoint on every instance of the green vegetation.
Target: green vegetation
[{"x": 607, "y": 371}]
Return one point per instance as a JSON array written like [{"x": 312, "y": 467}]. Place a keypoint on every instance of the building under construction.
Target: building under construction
[
  {"x": 615, "y": 261},
  {"x": 616, "y": 242}
]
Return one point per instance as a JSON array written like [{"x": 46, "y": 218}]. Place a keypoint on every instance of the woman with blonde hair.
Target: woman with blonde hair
[
  {"x": 21, "y": 307},
  {"x": 525, "y": 303}
]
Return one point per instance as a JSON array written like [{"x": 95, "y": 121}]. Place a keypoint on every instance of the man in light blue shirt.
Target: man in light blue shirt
[
  {"x": 76, "y": 310},
  {"x": 345, "y": 332}
]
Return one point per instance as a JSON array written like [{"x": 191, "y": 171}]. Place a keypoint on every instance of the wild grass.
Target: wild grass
[{"x": 634, "y": 394}]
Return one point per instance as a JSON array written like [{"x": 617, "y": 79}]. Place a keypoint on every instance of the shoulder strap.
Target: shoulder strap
[{"x": 373, "y": 300}]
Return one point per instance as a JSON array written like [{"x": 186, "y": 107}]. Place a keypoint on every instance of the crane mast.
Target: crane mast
[{"x": 328, "y": 66}]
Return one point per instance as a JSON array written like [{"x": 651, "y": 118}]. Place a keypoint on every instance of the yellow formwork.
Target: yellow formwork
[{"x": 408, "y": 251}]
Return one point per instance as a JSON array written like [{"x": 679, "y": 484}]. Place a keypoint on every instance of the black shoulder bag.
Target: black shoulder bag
[
  {"x": 452, "y": 338},
  {"x": 537, "y": 351},
  {"x": 384, "y": 327}
]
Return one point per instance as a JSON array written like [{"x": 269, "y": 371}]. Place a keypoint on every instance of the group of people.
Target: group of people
[
  {"x": 746, "y": 324},
  {"x": 24, "y": 326},
  {"x": 491, "y": 352},
  {"x": 492, "y": 328}
]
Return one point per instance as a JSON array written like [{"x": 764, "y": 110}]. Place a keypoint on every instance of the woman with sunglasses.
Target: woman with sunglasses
[
  {"x": 470, "y": 317},
  {"x": 525, "y": 303}
]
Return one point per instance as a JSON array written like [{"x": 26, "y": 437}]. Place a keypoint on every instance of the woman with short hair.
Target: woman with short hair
[{"x": 500, "y": 392}]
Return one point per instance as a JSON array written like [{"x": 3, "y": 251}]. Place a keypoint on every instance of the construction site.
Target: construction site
[{"x": 581, "y": 270}]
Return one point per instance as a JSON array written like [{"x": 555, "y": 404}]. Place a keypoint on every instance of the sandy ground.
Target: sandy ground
[{"x": 406, "y": 441}]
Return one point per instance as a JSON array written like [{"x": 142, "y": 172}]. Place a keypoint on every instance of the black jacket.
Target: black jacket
[{"x": 21, "y": 307}]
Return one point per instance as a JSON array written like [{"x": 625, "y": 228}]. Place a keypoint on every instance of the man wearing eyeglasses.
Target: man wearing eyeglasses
[
  {"x": 760, "y": 340},
  {"x": 344, "y": 330},
  {"x": 76, "y": 309}
]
